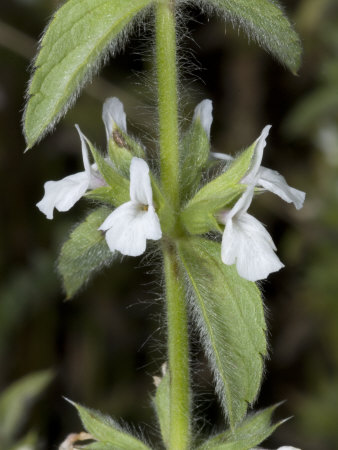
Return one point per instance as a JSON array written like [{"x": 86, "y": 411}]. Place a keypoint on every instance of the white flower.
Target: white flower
[
  {"x": 113, "y": 115},
  {"x": 63, "y": 194},
  {"x": 268, "y": 179},
  {"x": 130, "y": 225},
  {"x": 246, "y": 242},
  {"x": 203, "y": 112}
]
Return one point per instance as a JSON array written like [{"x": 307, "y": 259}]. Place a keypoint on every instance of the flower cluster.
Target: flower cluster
[{"x": 245, "y": 241}]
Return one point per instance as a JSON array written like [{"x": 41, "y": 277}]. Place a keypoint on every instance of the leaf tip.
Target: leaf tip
[{"x": 70, "y": 401}]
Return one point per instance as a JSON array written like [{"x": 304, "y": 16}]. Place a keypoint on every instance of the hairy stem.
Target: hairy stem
[
  {"x": 167, "y": 97},
  {"x": 178, "y": 349}
]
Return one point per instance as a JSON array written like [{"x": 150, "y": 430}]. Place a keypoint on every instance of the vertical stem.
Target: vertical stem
[
  {"x": 178, "y": 344},
  {"x": 167, "y": 97},
  {"x": 178, "y": 348}
]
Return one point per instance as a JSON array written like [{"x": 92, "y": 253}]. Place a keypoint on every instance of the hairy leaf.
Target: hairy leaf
[
  {"x": 119, "y": 185},
  {"x": 16, "y": 400},
  {"x": 195, "y": 152},
  {"x": 85, "y": 252},
  {"x": 121, "y": 150},
  {"x": 107, "y": 431},
  {"x": 229, "y": 314},
  {"x": 78, "y": 38},
  {"x": 251, "y": 432},
  {"x": 265, "y": 21},
  {"x": 198, "y": 215}
]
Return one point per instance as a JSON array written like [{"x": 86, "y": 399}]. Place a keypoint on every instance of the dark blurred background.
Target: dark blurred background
[{"x": 106, "y": 344}]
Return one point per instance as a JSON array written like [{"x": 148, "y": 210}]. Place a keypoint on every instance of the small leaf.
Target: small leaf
[
  {"x": 199, "y": 218},
  {"x": 265, "y": 21},
  {"x": 80, "y": 36},
  {"x": 228, "y": 312},
  {"x": 107, "y": 431},
  {"x": 119, "y": 185},
  {"x": 104, "y": 194},
  {"x": 85, "y": 252},
  {"x": 17, "y": 399},
  {"x": 122, "y": 148},
  {"x": 161, "y": 403},
  {"x": 195, "y": 152},
  {"x": 251, "y": 432},
  {"x": 198, "y": 215}
]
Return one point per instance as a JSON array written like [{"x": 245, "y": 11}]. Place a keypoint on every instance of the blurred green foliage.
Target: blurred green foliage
[
  {"x": 15, "y": 405},
  {"x": 107, "y": 343}
]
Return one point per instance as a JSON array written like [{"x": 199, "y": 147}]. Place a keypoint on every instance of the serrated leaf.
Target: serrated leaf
[
  {"x": 107, "y": 431},
  {"x": 17, "y": 399},
  {"x": 264, "y": 21},
  {"x": 78, "y": 38},
  {"x": 228, "y": 312},
  {"x": 85, "y": 252},
  {"x": 161, "y": 403},
  {"x": 196, "y": 147},
  {"x": 251, "y": 432},
  {"x": 198, "y": 215}
]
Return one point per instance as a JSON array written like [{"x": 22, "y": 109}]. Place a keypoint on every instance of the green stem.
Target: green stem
[
  {"x": 178, "y": 349},
  {"x": 167, "y": 97}
]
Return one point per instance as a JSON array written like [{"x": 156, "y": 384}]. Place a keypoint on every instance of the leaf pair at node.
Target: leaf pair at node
[
  {"x": 83, "y": 33},
  {"x": 106, "y": 434}
]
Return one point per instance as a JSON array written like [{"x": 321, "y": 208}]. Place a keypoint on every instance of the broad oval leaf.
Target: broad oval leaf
[
  {"x": 85, "y": 252},
  {"x": 265, "y": 21},
  {"x": 79, "y": 37},
  {"x": 107, "y": 431},
  {"x": 228, "y": 312}
]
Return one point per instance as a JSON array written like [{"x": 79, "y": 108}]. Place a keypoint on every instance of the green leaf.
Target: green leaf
[
  {"x": 107, "y": 431},
  {"x": 119, "y": 185},
  {"x": 264, "y": 21},
  {"x": 85, "y": 252},
  {"x": 17, "y": 399},
  {"x": 78, "y": 39},
  {"x": 228, "y": 312},
  {"x": 198, "y": 215},
  {"x": 251, "y": 432},
  {"x": 196, "y": 147},
  {"x": 161, "y": 403},
  {"x": 122, "y": 148}
]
